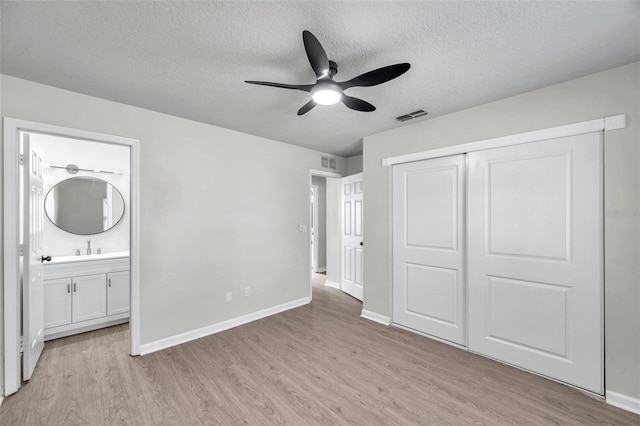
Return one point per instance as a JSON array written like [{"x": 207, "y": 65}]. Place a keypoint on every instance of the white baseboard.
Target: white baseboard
[
  {"x": 623, "y": 401},
  {"x": 1, "y": 399},
  {"x": 178, "y": 339},
  {"x": 372, "y": 316},
  {"x": 332, "y": 284}
]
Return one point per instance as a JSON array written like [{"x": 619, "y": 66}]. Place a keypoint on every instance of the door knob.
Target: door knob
[
  {"x": 361, "y": 243},
  {"x": 47, "y": 258}
]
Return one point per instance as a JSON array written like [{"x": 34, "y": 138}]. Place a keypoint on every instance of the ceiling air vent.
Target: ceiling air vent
[
  {"x": 411, "y": 115},
  {"x": 328, "y": 163}
]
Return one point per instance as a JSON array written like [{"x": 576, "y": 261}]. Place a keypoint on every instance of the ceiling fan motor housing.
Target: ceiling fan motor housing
[{"x": 326, "y": 92}]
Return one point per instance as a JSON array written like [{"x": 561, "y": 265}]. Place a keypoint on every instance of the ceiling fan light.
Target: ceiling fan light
[{"x": 326, "y": 97}]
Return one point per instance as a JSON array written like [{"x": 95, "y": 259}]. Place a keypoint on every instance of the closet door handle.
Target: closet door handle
[
  {"x": 109, "y": 282},
  {"x": 68, "y": 288},
  {"x": 74, "y": 288}
]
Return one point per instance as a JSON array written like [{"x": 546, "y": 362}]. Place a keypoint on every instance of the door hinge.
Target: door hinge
[
  {"x": 21, "y": 249},
  {"x": 21, "y": 159},
  {"x": 21, "y": 344}
]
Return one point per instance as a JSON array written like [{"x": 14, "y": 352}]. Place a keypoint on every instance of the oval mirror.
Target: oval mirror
[{"x": 84, "y": 205}]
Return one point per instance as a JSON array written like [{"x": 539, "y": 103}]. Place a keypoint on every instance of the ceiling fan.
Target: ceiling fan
[{"x": 326, "y": 91}]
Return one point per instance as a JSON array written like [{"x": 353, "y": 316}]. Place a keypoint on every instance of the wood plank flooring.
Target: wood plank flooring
[{"x": 318, "y": 364}]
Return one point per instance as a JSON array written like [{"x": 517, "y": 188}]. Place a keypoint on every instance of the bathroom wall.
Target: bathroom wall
[
  {"x": 219, "y": 209},
  {"x": 321, "y": 232},
  {"x": 57, "y": 151},
  {"x": 612, "y": 92}
]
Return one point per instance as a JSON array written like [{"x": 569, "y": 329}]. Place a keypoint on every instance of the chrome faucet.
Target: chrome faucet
[{"x": 89, "y": 246}]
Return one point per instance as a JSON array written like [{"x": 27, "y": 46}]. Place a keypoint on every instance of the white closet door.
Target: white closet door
[
  {"x": 352, "y": 239},
  {"x": 428, "y": 247},
  {"x": 535, "y": 257}
]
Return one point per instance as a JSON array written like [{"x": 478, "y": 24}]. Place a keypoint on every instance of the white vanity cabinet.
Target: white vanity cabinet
[{"x": 85, "y": 294}]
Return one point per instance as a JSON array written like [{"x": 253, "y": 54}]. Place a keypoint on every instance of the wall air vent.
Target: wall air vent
[
  {"x": 411, "y": 115},
  {"x": 328, "y": 163}
]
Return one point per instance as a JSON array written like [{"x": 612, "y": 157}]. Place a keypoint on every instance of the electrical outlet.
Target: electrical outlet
[
  {"x": 247, "y": 291},
  {"x": 229, "y": 296}
]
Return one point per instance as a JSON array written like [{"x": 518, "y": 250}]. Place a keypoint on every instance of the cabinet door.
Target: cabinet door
[
  {"x": 57, "y": 302},
  {"x": 117, "y": 293},
  {"x": 89, "y": 297}
]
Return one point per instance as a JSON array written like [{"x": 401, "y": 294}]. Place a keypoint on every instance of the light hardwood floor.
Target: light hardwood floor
[{"x": 318, "y": 364}]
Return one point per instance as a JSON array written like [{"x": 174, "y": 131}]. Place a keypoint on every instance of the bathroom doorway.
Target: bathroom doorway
[{"x": 74, "y": 243}]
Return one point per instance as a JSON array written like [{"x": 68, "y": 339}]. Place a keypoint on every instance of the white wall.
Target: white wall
[
  {"x": 321, "y": 232},
  {"x": 59, "y": 151},
  {"x": 353, "y": 165},
  {"x": 219, "y": 209},
  {"x": 333, "y": 230},
  {"x": 599, "y": 95}
]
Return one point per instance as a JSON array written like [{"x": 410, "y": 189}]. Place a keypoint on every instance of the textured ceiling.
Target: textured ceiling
[{"x": 190, "y": 59}]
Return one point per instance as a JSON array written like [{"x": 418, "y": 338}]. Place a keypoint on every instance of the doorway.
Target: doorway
[
  {"x": 25, "y": 310},
  {"x": 324, "y": 238},
  {"x": 318, "y": 226}
]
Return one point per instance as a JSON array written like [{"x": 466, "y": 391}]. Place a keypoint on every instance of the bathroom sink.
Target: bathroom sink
[{"x": 85, "y": 258}]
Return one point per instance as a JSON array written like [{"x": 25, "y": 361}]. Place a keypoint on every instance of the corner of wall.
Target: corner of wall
[{"x": 353, "y": 165}]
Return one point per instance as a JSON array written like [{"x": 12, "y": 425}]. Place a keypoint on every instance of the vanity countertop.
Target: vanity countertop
[{"x": 86, "y": 258}]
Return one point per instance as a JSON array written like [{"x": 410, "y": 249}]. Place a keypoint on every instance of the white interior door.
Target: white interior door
[
  {"x": 429, "y": 246},
  {"x": 535, "y": 257},
  {"x": 352, "y": 241},
  {"x": 32, "y": 283}
]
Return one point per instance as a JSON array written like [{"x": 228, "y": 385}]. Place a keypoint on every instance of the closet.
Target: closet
[{"x": 500, "y": 251}]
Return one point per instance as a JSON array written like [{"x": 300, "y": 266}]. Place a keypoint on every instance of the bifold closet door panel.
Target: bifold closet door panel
[
  {"x": 429, "y": 246},
  {"x": 535, "y": 257}
]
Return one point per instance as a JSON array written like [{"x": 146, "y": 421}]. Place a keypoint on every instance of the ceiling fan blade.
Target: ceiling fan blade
[
  {"x": 307, "y": 107},
  {"x": 357, "y": 104},
  {"x": 316, "y": 54},
  {"x": 303, "y": 87},
  {"x": 375, "y": 77}
]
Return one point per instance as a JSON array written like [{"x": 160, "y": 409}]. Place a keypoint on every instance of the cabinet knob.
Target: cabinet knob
[{"x": 47, "y": 258}]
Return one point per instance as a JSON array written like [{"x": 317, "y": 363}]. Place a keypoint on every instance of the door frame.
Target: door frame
[
  {"x": 320, "y": 173},
  {"x": 11, "y": 256},
  {"x": 313, "y": 228}
]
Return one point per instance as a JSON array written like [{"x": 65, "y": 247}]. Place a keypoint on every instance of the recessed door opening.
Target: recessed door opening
[{"x": 324, "y": 237}]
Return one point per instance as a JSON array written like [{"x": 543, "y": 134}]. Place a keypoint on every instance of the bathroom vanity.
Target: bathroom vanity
[{"x": 83, "y": 293}]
